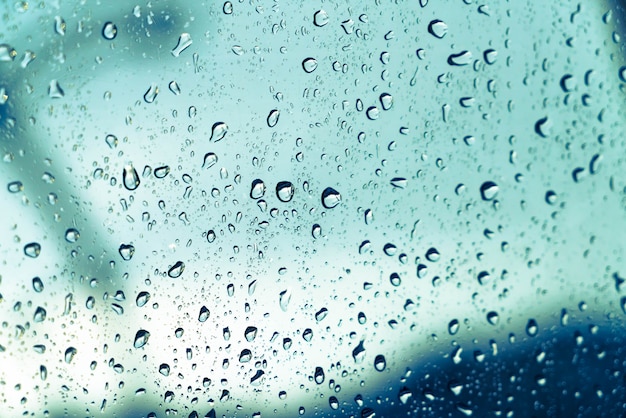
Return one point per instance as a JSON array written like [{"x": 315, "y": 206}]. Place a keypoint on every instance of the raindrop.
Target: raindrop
[
  {"x": 227, "y": 8},
  {"x": 321, "y": 314},
  {"x": 309, "y": 65},
  {"x": 151, "y": 94},
  {"x": 551, "y": 197},
  {"x": 330, "y": 198},
  {"x": 250, "y": 333},
  {"x": 257, "y": 189},
  {"x": 595, "y": 163},
  {"x": 372, "y": 113},
  {"x": 245, "y": 356},
  {"x": 109, "y": 31},
  {"x": 59, "y": 25},
  {"x": 40, "y": 314},
  {"x": 69, "y": 354},
  {"x": 54, "y": 90},
  {"x": 532, "y": 328},
  {"x": 283, "y": 299},
  {"x": 161, "y": 172},
  {"x": 318, "y": 376},
  {"x": 320, "y": 18},
  {"x": 272, "y": 118},
  {"x": 126, "y": 251},
  {"x": 7, "y": 53},
  {"x": 438, "y": 28},
  {"x": 72, "y": 235},
  {"x": 386, "y": 101},
  {"x": 395, "y": 280},
  {"x": 37, "y": 284},
  {"x": 490, "y": 56},
  {"x": 307, "y": 335},
  {"x": 285, "y": 191},
  {"x": 493, "y": 317},
  {"x": 256, "y": 379},
  {"x": 316, "y": 231},
  {"x": 568, "y": 83},
  {"x": 218, "y": 131},
  {"x": 184, "y": 41},
  {"x": 380, "y": 363},
  {"x": 130, "y": 178},
  {"x": 176, "y": 270},
  {"x": 210, "y": 236},
  {"x": 333, "y": 402},
  {"x": 164, "y": 369},
  {"x": 404, "y": 395},
  {"x": 210, "y": 159},
  {"x": 489, "y": 190},
  {"x": 174, "y": 87},
  {"x": 399, "y": 182},
  {"x": 15, "y": 187},
  {"x": 621, "y": 73},
  {"x": 358, "y": 354},
  {"x": 204, "y": 314},
  {"x": 142, "y": 299},
  {"x": 462, "y": 58},
  {"x": 432, "y": 255},
  {"x": 32, "y": 250},
  {"x": 141, "y": 338},
  {"x": 111, "y": 141},
  {"x": 453, "y": 326},
  {"x": 542, "y": 127}
]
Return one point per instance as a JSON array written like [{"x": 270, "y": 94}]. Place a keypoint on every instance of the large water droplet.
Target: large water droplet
[
  {"x": 184, "y": 42},
  {"x": 285, "y": 191},
  {"x": 32, "y": 249},
  {"x": 109, "y": 31},
  {"x": 532, "y": 328},
  {"x": 54, "y": 90},
  {"x": 318, "y": 376},
  {"x": 257, "y": 189},
  {"x": 462, "y": 58},
  {"x": 321, "y": 314},
  {"x": 15, "y": 187},
  {"x": 453, "y": 326},
  {"x": 142, "y": 299},
  {"x": 542, "y": 127},
  {"x": 284, "y": 298},
  {"x": 161, "y": 172},
  {"x": 151, "y": 94},
  {"x": 176, "y": 270},
  {"x": 320, "y": 18},
  {"x": 227, "y": 8},
  {"x": 358, "y": 354},
  {"x": 438, "y": 28},
  {"x": 372, "y": 113},
  {"x": 69, "y": 354},
  {"x": 130, "y": 178},
  {"x": 490, "y": 56},
  {"x": 40, "y": 314},
  {"x": 72, "y": 235},
  {"x": 380, "y": 363},
  {"x": 386, "y": 101},
  {"x": 250, "y": 333},
  {"x": 210, "y": 159},
  {"x": 141, "y": 338},
  {"x": 272, "y": 118},
  {"x": 404, "y": 395},
  {"x": 330, "y": 198},
  {"x": 309, "y": 65},
  {"x": 489, "y": 190},
  {"x": 7, "y": 53},
  {"x": 218, "y": 131},
  {"x": 164, "y": 369},
  {"x": 37, "y": 284},
  {"x": 126, "y": 251},
  {"x": 245, "y": 356},
  {"x": 204, "y": 314}
]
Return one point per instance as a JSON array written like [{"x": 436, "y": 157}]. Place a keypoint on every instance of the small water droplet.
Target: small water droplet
[
  {"x": 453, "y": 326},
  {"x": 438, "y": 28},
  {"x": 489, "y": 190},
  {"x": 7, "y": 53},
  {"x": 333, "y": 402},
  {"x": 460, "y": 59},
  {"x": 245, "y": 356},
  {"x": 126, "y": 251},
  {"x": 330, "y": 198},
  {"x": 109, "y": 31},
  {"x": 32, "y": 249},
  {"x": 285, "y": 191},
  {"x": 164, "y": 369},
  {"x": 40, "y": 314},
  {"x": 59, "y": 25},
  {"x": 532, "y": 328},
  {"x": 284, "y": 298},
  {"x": 433, "y": 255},
  {"x": 176, "y": 270},
  {"x": 142, "y": 299},
  {"x": 320, "y": 18},
  {"x": 72, "y": 235},
  {"x": 321, "y": 314},
  {"x": 358, "y": 354},
  {"x": 272, "y": 118},
  {"x": 151, "y": 94},
  {"x": 54, "y": 90},
  {"x": 130, "y": 178},
  {"x": 399, "y": 182},
  {"x": 316, "y": 231},
  {"x": 141, "y": 338},
  {"x": 551, "y": 197},
  {"x": 69, "y": 354},
  {"x": 372, "y": 113},
  {"x": 542, "y": 127},
  {"x": 490, "y": 56},
  {"x": 404, "y": 395},
  {"x": 174, "y": 87},
  {"x": 111, "y": 141},
  {"x": 309, "y": 65},
  {"x": 595, "y": 163},
  {"x": 318, "y": 376},
  {"x": 257, "y": 189},
  {"x": 394, "y": 279},
  {"x": 250, "y": 333},
  {"x": 184, "y": 42},
  {"x": 380, "y": 363},
  {"x": 204, "y": 314},
  {"x": 37, "y": 284},
  {"x": 493, "y": 317},
  {"x": 386, "y": 101}
]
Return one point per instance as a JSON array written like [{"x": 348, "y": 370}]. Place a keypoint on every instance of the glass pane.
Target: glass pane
[{"x": 264, "y": 208}]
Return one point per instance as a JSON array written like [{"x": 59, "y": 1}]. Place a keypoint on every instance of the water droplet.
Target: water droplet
[
  {"x": 72, "y": 235},
  {"x": 15, "y": 187},
  {"x": 69, "y": 354},
  {"x": 204, "y": 314},
  {"x": 404, "y": 395},
  {"x": 318, "y": 376},
  {"x": 227, "y": 8},
  {"x": 568, "y": 83},
  {"x": 37, "y": 285},
  {"x": 551, "y": 197},
  {"x": 532, "y": 328},
  {"x": 43, "y": 372},
  {"x": 438, "y": 28},
  {"x": 151, "y": 94},
  {"x": 218, "y": 131},
  {"x": 432, "y": 255},
  {"x": 330, "y": 198},
  {"x": 595, "y": 163},
  {"x": 126, "y": 251},
  {"x": 622, "y": 74},
  {"x": 237, "y": 50},
  {"x": 453, "y": 326},
  {"x": 358, "y": 354},
  {"x": 493, "y": 317},
  {"x": 210, "y": 159},
  {"x": 174, "y": 88},
  {"x": 40, "y": 314},
  {"x": 333, "y": 402},
  {"x": 257, "y": 378},
  {"x": 272, "y": 118},
  {"x": 309, "y": 65},
  {"x": 141, "y": 338},
  {"x": 210, "y": 236},
  {"x": 380, "y": 363},
  {"x": 483, "y": 277},
  {"x": 111, "y": 141},
  {"x": 176, "y": 270},
  {"x": 142, "y": 299},
  {"x": 284, "y": 298},
  {"x": 321, "y": 314},
  {"x": 372, "y": 113},
  {"x": 161, "y": 172},
  {"x": 542, "y": 127},
  {"x": 320, "y": 18},
  {"x": 250, "y": 333},
  {"x": 394, "y": 279},
  {"x": 7, "y": 53},
  {"x": 118, "y": 309},
  {"x": 54, "y": 90},
  {"x": 386, "y": 101},
  {"x": 421, "y": 271},
  {"x": 59, "y": 25},
  {"x": 245, "y": 356},
  {"x": 460, "y": 59},
  {"x": 399, "y": 182},
  {"x": 489, "y": 190},
  {"x": 257, "y": 189},
  {"x": 184, "y": 41},
  {"x": 316, "y": 231},
  {"x": 285, "y": 191},
  {"x": 109, "y": 31},
  {"x": 164, "y": 369},
  {"x": 130, "y": 178},
  {"x": 307, "y": 335},
  {"x": 32, "y": 249},
  {"x": 490, "y": 56}
]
